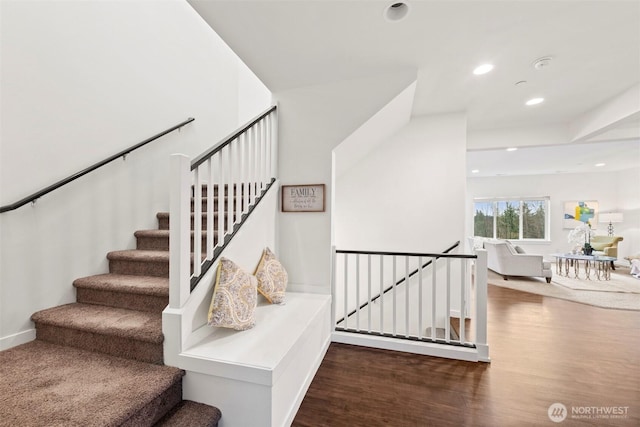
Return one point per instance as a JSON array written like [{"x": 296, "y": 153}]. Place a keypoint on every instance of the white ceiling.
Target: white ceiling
[{"x": 595, "y": 46}]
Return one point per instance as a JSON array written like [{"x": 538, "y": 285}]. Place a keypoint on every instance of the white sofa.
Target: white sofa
[{"x": 504, "y": 259}]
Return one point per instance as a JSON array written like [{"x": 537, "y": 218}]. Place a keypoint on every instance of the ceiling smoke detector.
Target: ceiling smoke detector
[{"x": 541, "y": 63}]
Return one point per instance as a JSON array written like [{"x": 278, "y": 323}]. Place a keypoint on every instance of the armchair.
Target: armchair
[
  {"x": 606, "y": 245},
  {"x": 503, "y": 258}
]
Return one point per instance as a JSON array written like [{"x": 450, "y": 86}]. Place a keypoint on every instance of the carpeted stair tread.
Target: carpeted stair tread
[
  {"x": 138, "y": 255},
  {"x": 191, "y": 414},
  {"x": 47, "y": 384},
  {"x": 102, "y": 320},
  {"x": 139, "y": 285},
  {"x": 159, "y": 233}
]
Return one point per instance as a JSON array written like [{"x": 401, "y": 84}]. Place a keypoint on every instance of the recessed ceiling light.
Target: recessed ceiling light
[
  {"x": 483, "y": 69},
  {"x": 512, "y": 149},
  {"x": 535, "y": 101},
  {"x": 599, "y": 165},
  {"x": 475, "y": 170},
  {"x": 542, "y": 63},
  {"x": 396, "y": 11}
]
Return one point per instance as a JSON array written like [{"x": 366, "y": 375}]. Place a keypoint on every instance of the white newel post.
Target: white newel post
[
  {"x": 481, "y": 306},
  {"x": 179, "y": 231}
]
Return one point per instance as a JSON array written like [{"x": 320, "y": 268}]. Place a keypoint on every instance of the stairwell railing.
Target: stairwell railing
[
  {"x": 427, "y": 292},
  {"x": 213, "y": 195}
]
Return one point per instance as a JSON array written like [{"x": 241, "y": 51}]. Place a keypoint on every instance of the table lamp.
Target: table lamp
[{"x": 611, "y": 218}]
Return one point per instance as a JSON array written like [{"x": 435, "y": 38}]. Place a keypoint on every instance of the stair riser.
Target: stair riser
[
  {"x": 157, "y": 408},
  {"x": 107, "y": 344},
  {"x": 163, "y": 223},
  {"x": 149, "y": 243},
  {"x": 215, "y": 205},
  {"x": 149, "y": 303},
  {"x": 236, "y": 189},
  {"x": 139, "y": 268}
]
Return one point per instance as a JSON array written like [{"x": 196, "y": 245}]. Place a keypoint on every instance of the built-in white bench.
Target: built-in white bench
[{"x": 259, "y": 377}]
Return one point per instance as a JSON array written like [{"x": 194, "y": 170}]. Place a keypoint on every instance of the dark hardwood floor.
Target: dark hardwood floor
[{"x": 543, "y": 351}]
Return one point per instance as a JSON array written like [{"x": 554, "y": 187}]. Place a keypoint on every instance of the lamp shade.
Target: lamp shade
[{"x": 611, "y": 217}]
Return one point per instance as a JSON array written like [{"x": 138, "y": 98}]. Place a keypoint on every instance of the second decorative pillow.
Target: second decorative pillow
[{"x": 272, "y": 278}]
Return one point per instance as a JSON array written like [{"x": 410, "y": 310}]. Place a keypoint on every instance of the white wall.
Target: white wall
[
  {"x": 408, "y": 195},
  {"x": 614, "y": 191},
  {"x": 312, "y": 122},
  {"x": 81, "y": 81},
  {"x": 375, "y": 131}
]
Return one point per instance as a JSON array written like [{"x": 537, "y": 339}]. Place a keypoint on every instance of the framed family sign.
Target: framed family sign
[{"x": 303, "y": 198}]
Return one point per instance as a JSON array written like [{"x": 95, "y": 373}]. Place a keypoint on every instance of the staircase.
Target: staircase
[{"x": 99, "y": 361}]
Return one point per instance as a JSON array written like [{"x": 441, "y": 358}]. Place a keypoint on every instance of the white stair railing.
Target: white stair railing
[
  {"x": 384, "y": 297},
  {"x": 222, "y": 185}
]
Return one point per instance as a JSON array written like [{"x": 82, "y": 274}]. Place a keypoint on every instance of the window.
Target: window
[{"x": 512, "y": 218}]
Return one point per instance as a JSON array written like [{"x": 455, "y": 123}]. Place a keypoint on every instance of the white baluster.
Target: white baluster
[
  {"x": 210, "y": 209},
  {"x": 220, "y": 190},
  {"x": 463, "y": 276},
  {"x": 260, "y": 169},
  {"x": 370, "y": 303},
  {"x": 269, "y": 151},
  {"x": 447, "y": 325},
  {"x": 231, "y": 171},
  {"x": 381, "y": 298},
  {"x": 246, "y": 174},
  {"x": 256, "y": 162},
  {"x": 197, "y": 225},
  {"x": 237, "y": 201},
  {"x": 394, "y": 295},
  {"x": 420, "y": 296},
  {"x": 406, "y": 294},
  {"x": 346, "y": 290},
  {"x": 433, "y": 298},
  {"x": 357, "y": 292}
]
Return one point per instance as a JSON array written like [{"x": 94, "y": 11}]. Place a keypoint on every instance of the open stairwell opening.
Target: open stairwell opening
[{"x": 413, "y": 302}]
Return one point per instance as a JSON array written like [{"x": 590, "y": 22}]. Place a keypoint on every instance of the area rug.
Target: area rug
[
  {"x": 596, "y": 294},
  {"x": 621, "y": 281}
]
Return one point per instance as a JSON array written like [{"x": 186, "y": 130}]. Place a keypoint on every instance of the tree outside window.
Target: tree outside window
[
  {"x": 533, "y": 219},
  {"x": 483, "y": 219},
  {"x": 508, "y": 219}
]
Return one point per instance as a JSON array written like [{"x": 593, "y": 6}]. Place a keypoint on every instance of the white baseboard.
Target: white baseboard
[{"x": 17, "y": 339}]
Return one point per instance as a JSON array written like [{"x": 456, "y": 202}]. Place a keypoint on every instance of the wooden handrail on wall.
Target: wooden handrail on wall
[{"x": 35, "y": 196}]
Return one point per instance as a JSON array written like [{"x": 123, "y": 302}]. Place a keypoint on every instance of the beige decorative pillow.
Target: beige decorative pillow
[
  {"x": 234, "y": 298},
  {"x": 272, "y": 278}
]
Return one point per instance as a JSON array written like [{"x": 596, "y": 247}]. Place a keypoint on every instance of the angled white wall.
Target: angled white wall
[
  {"x": 409, "y": 194},
  {"x": 375, "y": 131}
]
